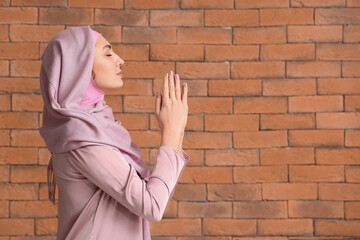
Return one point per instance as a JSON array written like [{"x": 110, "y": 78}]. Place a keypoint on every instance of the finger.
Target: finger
[
  {"x": 185, "y": 93},
  {"x": 165, "y": 90},
  {"x": 172, "y": 85},
  {"x": 157, "y": 103},
  {"x": 177, "y": 87}
]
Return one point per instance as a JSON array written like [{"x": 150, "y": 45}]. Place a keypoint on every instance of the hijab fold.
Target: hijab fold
[{"x": 75, "y": 113}]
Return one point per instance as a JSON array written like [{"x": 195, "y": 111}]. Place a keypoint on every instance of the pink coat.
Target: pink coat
[{"x": 102, "y": 197}]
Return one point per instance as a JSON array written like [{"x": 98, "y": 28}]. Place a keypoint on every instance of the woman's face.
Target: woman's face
[{"x": 106, "y": 66}]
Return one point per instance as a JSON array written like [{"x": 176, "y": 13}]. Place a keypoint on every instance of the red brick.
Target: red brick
[
  {"x": 199, "y": 35},
  {"x": 338, "y": 86},
  {"x": 115, "y": 102},
  {"x": 126, "y": 18},
  {"x": 18, "y": 120},
  {"x": 96, "y": 4},
  {"x": 207, "y": 140},
  {"x": 27, "y": 103},
  {"x": 316, "y": 173},
  {"x": 261, "y": 3},
  {"x": 260, "y": 139},
  {"x": 352, "y": 138},
  {"x": 65, "y": 16},
  {"x": 286, "y": 16},
  {"x": 33, "y": 33},
  {"x": 337, "y": 228},
  {"x": 352, "y": 3},
  {"x": 287, "y": 121},
  {"x": 21, "y": 85},
  {"x": 260, "y": 105},
  {"x": 234, "y": 192},
  {"x": 352, "y": 174},
  {"x": 338, "y": 51},
  {"x": 19, "y": 50},
  {"x": 148, "y": 69},
  {"x": 190, "y": 192},
  {"x": 290, "y": 191},
  {"x": 256, "y": 174},
  {"x": 10, "y": 226},
  {"x": 12, "y": 15},
  {"x": 231, "y": 122},
  {"x": 316, "y": 209},
  {"x": 190, "y": 18},
  {"x": 257, "y": 69},
  {"x": 339, "y": 191},
  {"x": 29, "y": 209},
  {"x": 176, "y": 227},
  {"x": 25, "y": 68},
  {"x": 4, "y": 209},
  {"x": 280, "y": 156},
  {"x": 352, "y": 103},
  {"x": 214, "y": 226},
  {"x": 149, "y": 35},
  {"x": 352, "y": 210},
  {"x": 316, "y": 137},
  {"x": 231, "y": 52},
  {"x": 235, "y": 87},
  {"x": 315, "y": 33},
  {"x": 285, "y": 227},
  {"x": 317, "y": 3},
  {"x": 315, "y": 103},
  {"x": 28, "y": 174},
  {"x": 351, "y": 69},
  {"x": 16, "y": 191},
  {"x": 231, "y": 18},
  {"x": 176, "y": 52},
  {"x": 46, "y": 226},
  {"x": 27, "y": 138},
  {"x": 171, "y": 211},
  {"x": 351, "y": 34},
  {"x": 289, "y": 87},
  {"x": 139, "y": 87},
  {"x": 342, "y": 156},
  {"x": 143, "y": 4},
  {"x": 313, "y": 69},
  {"x": 205, "y": 4},
  {"x": 5, "y": 137},
  {"x": 255, "y": 35},
  {"x": 205, "y": 209},
  {"x": 4, "y": 33},
  {"x": 112, "y": 34},
  {"x": 13, "y": 156},
  {"x": 146, "y": 138},
  {"x": 39, "y": 3},
  {"x": 133, "y": 121},
  {"x": 137, "y": 52},
  {"x": 4, "y": 68},
  {"x": 328, "y": 16},
  {"x": 260, "y": 209},
  {"x": 288, "y": 52},
  {"x": 209, "y": 105},
  {"x": 4, "y": 173},
  {"x": 207, "y": 175},
  {"x": 338, "y": 120},
  {"x": 231, "y": 157},
  {"x": 202, "y": 70},
  {"x": 5, "y": 102}
]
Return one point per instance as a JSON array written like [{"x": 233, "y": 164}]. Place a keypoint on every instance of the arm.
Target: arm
[{"x": 109, "y": 170}]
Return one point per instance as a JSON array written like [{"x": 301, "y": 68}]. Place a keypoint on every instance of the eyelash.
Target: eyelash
[{"x": 109, "y": 55}]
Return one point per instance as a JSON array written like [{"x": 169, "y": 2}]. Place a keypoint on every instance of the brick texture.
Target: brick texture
[{"x": 273, "y": 130}]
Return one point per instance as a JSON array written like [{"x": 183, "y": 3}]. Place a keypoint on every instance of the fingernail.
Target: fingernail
[
  {"x": 171, "y": 72},
  {"x": 157, "y": 94},
  {"x": 177, "y": 75},
  {"x": 185, "y": 84},
  {"x": 167, "y": 75}
]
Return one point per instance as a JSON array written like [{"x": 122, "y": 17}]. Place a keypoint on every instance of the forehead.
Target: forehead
[{"x": 100, "y": 43}]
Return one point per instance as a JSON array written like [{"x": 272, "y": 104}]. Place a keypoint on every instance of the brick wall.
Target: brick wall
[{"x": 273, "y": 126}]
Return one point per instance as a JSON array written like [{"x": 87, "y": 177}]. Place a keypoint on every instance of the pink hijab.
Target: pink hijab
[{"x": 75, "y": 113}]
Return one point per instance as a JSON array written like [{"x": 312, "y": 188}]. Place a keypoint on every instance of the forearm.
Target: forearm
[{"x": 173, "y": 139}]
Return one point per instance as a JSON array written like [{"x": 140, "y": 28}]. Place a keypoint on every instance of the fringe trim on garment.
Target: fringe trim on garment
[{"x": 51, "y": 181}]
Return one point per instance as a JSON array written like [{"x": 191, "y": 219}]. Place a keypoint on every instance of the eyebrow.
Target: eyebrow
[{"x": 107, "y": 46}]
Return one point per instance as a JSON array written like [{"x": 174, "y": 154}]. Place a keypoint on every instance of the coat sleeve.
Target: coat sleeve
[{"x": 109, "y": 170}]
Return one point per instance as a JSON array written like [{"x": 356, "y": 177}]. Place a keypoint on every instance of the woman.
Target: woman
[{"x": 105, "y": 189}]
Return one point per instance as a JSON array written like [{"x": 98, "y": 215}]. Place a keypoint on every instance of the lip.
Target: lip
[{"x": 119, "y": 73}]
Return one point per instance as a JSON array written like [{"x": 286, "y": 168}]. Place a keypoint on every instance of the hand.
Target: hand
[{"x": 171, "y": 107}]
